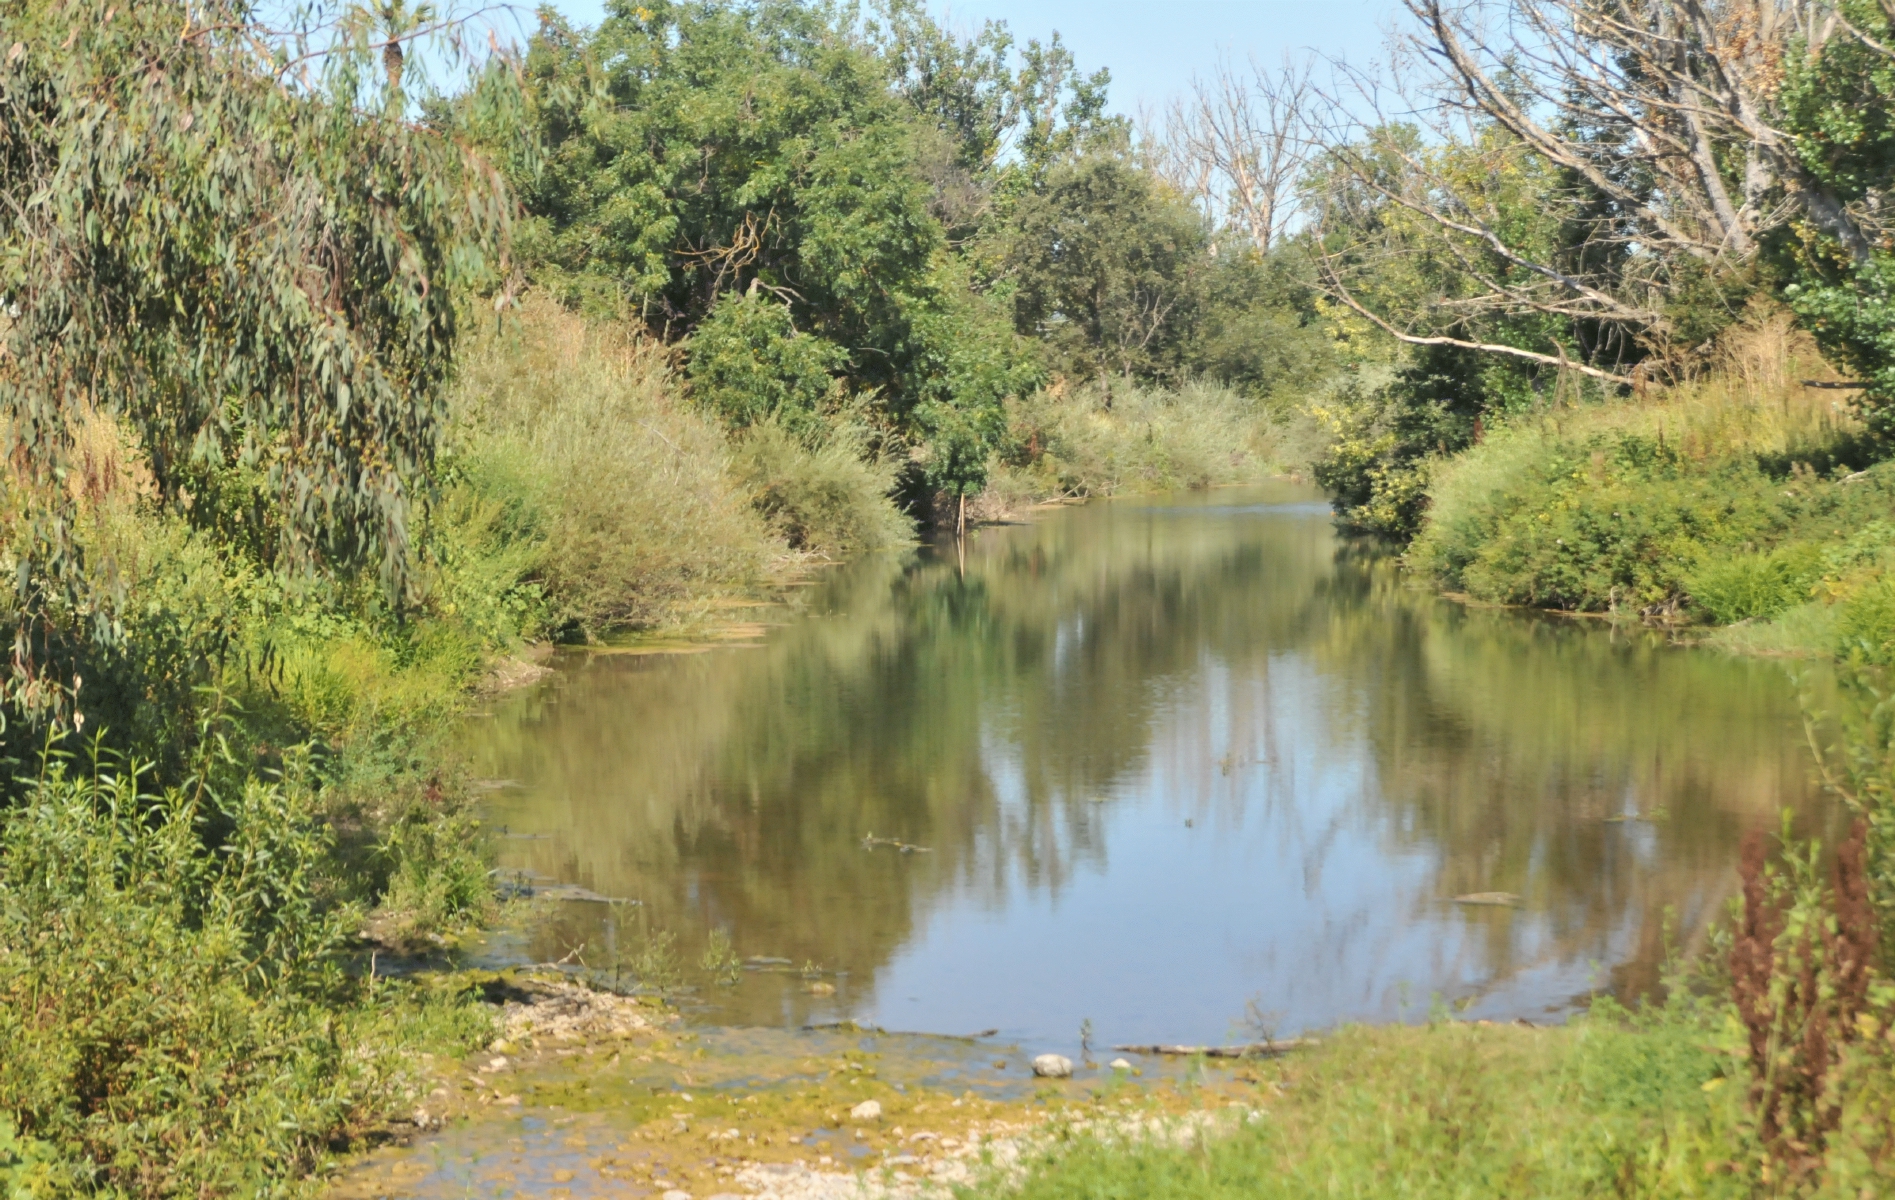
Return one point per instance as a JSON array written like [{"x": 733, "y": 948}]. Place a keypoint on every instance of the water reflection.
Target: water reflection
[{"x": 1166, "y": 758}]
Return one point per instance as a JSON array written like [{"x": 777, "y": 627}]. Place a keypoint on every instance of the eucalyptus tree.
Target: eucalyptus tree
[{"x": 244, "y": 256}]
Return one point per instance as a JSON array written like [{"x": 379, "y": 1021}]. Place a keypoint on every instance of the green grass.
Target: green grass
[
  {"x": 1605, "y": 1107},
  {"x": 1111, "y": 437}
]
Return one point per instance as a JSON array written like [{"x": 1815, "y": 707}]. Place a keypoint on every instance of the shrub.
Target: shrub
[
  {"x": 833, "y": 498},
  {"x": 572, "y": 457},
  {"x": 1744, "y": 587},
  {"x": 173, "y": 1020},
  {"x": 1608, "y": 520},
  {"x": 1590, "y": 511},
  {"x": 748, "y": 363},
  {"x": 1865, "y": 629},
  {"x": 201, "y": 1060}
]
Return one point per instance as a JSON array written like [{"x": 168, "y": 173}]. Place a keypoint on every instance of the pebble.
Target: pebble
[
  {"x": 675, "y": 1194},
  {"x": 1119, "y": 1064},
  {"x": 868, "y": 1110},
  {"x": 1053, "y": 1066}
]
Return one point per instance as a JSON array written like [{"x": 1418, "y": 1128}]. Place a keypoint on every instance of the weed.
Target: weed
[
  {"x": 656, "y": 963},
  {"x": 720, "y": 960}
]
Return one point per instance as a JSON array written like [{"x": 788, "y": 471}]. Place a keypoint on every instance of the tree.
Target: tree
[
  {"x": 1107, "y": 266},
  {"x": 1239, "y": 144},
  {"x": 773, "y": 181},
  {"x": 1660, "y": 132},
  {"x": 251, "y": 272}
]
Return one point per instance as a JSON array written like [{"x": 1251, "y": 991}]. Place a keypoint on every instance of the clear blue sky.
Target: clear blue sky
[{"x": 1154, "y": 48}]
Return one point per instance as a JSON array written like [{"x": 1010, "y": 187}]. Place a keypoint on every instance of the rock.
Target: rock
[
  {"x": 868, "y": 1110},
  {"x": 1119, "y": 1064},
  {"x": 1053, "y": 1066},
  {"x": 821, "y": 989},
  {"x": 675, "y": 1194}
]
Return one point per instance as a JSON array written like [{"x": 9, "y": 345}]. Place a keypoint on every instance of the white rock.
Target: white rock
[
  {"x": 675, "y": 1194},
  {"x": 1119, "y": 1064},
  {"x": 868, "y": 1110},
  {"x": 1053, "y": 1066}
]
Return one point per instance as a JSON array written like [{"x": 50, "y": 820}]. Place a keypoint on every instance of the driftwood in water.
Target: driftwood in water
[{"x": 1247, "y": 1050}]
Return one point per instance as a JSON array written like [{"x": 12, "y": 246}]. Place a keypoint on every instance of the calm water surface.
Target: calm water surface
[{"x": 1175, "y": 763}]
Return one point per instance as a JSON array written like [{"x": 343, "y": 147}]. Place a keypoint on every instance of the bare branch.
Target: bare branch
[{"x": 1334, "y": 287}]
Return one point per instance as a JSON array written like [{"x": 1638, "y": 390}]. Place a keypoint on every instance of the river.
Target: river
[{"x": 1184, "y": 768}]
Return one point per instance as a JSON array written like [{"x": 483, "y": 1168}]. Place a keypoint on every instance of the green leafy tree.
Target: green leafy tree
[
  {"x": 1839, "y": 103},
  {"x": 1107, "y": 267},
  {"x": 256, "y": 276},
  {"x": 769, "y": 183}
]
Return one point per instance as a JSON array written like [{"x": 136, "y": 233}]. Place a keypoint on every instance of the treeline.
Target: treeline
[{"x": 841, "y": 217}]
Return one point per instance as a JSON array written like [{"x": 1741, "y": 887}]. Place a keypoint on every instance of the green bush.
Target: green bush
[
  {"x": 1606, "y": 516},
  {"x": 833, "y": 498},
  {"x": 202, "y": 1060},
  {"x": 173, "y": 1020},
  {"x": 1865, "y": 629},
  {"x": 574, "y": 465},
  {"x": 1745, "y": 587},
  {"x": 747, "y": 363}
]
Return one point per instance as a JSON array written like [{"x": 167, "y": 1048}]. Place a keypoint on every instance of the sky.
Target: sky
[{"x": 1153, "y": 49}]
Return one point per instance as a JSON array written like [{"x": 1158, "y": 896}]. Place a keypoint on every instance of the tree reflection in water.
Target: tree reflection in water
[{"x": 1167, "y": 756}]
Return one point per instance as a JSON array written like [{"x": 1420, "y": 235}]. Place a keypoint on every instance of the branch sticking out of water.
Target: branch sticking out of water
[
  {"x": 870, "y": 841},
  {"x": 1246, "y": 1050}
]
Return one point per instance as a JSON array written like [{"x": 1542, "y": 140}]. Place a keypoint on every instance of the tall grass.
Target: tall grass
[
  {"x": 1693, "y": 501},
  {"x": 830, "y": 499},
  {"x": 1110, "y": 437},
  {"x": 574, "y": 460}
]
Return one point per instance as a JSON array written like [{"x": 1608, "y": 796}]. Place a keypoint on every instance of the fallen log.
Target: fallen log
[{"x": 1247, "y": 1050}]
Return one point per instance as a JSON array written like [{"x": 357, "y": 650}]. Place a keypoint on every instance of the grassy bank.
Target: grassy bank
[
  {"x": 1747, "y": 501},
  {"x": 254, "y": 793},
  {"x": 1611, "y": 1105}
]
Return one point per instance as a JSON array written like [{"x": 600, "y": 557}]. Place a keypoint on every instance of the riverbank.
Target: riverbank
[
  {"x": 1750, "y": 508},
  {"x": 581, "y": 1095}
]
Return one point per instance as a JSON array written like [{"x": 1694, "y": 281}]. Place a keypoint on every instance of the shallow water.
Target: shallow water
[{"x": 1184, "y": 768}]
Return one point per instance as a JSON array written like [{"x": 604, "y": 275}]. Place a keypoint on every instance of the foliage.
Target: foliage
[
  {"x": 282, "y": 377},
  {"x": 752, "y": 177},
  {"x": 1705, "y": 501},
  {"x": 1616, "y": 1105},
  {"x": 582, "y": 495},
  {"x": 1801, "y": 980},
  {"x": 1838, "y": 99},
  {"x": 833, "y": 499},
  {"x": 204, "y": 1059},
  {"x": 1745, "y": 587},
  {"x": 1107, "y": 267},
  {"x": 1258, "y": 328},
  {"x": 748, "y": 364},
  {"x": 1107, "y": 439}
]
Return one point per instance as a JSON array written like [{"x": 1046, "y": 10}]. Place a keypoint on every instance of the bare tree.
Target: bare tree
[
  {"x": 1238, "y": 143},
  {"x": 1660, "y": 118}
]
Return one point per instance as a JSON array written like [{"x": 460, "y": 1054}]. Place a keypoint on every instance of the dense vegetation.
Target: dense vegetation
[{"x": 325, "y": 388}]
